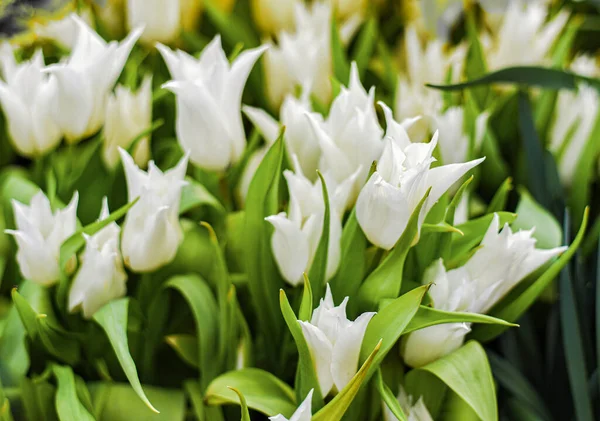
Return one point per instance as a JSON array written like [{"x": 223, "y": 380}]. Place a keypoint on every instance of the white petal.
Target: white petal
[
  {"x": 290, "y": 248},
  {"x": 321, "y": 353}
]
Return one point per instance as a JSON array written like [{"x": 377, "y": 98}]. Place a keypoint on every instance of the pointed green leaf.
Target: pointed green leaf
[
  {"x": 498, "y": 202},
  {"x": 113, "y": 319},
  {"x": 68, "y": 405},
  {"x": 318, "y": 270},
  {"x": 243, "y": 404},
  {"x": 194, "y": 195},
  {"x": 341, "y": 68},
  {"x": 306, "y": 305},
  {"x": 429, "y": 316},
  {"x": 186, "y": 347},
  {"x": 388, "y": 397},
  {"x": 365, "y": 45}
]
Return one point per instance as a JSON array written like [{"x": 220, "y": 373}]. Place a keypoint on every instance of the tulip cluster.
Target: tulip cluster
[{"x": 290, "y": 206}]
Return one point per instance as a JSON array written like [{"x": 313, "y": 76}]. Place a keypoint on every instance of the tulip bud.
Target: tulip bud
[
  {"x": 271, "y": 17},
  {"x": 127, "y": 115},
  {"x": 151, "y": 232},
  {"x": 39, "y": 234},
  {"x": 303, "y": 413},
  {"x": 162, "y": 19},
  {"x": 85, "y": 80},
  {"x": 26, "y": 96},
  {"x": 415, "y": 412},
  {"x": 403, "y": 176},
  {"x": 334, "y": 343},
  {"x": 101, "y": 277},
  {"x": 209, "y": 93}
]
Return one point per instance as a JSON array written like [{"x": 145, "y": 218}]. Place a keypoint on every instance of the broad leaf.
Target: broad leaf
[{"x": 68, "y": 405}]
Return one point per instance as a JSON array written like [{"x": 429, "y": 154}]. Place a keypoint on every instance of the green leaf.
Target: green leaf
[
  {"x": 474, "y": 231},
  {"x": 337, "y": 407},
  {"x": 263, "y": 391},
  {"x": 68, "y": 405},
  {"x": 318, "y": 270},
  {"x": 350, "y": 274},
  {"x": 389, "y": 72},
  {"x": 38, "y": 399},
  {"x": 118, "y": 402},
  {"x": 144, "y": 133},
  {"x": 72, "y": 244},
  {"x": 5, "y": 413},
  {"x": 389, "y": 323},
  {"x": 498, "y": 202},
  {"x": 194, "y": 195},
  {"x": 341, "y": 68},
  {"x": 263, "y": 276},
  {"x": 306, "y": 305},
  {"x": 113, "y": 319},
  {"x": 58, "y": 342},
  {"x": 243, "y": 404},
  {"x": 511, "y": 308},
  {"x": 429, "y": 316},
  {"x": 307, "y": 377},
  {"x": 386, "y": 280},
  {"x": 475, "y": 65},
  {"x": 530, "y": 214},
  {"x": 467, "y": 372},
  {"x": 388, "y": 397},
  {"x": 542, "y": 77},
  {"x": 365, "y": 45},
  {"x": 186, "y": 347}
]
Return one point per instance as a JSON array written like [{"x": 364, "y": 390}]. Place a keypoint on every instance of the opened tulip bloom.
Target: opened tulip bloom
[
  {"x": 334, "y": 343},
  {"x": 63, "y": 31},
  {"x": 474, "y": 287},
  {"x": 128, "y": 114},
  {"x": 101, "y": 277},
  {"x": 415, "y": 411},
  {"x": 209, "y": 95},
  {"x": 85, "y": 80},
  {"x": 302, "y": 413},
  {"x": 403, "y": 176},
  {"x": 151, "y": 231},
  {"x": 39, "y": 234},
  {"x": 26, "y": 96}
]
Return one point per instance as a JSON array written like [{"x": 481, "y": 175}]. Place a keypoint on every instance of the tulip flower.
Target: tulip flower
[
  {"x": 162, "y": 19},
  {"x": 272, "y": 17},
  {"x": 401, "y": 180},
  {"x": 297, "y": 235},
  {"x": 524, "y": 37},
  {"x": 101, "y": 277},
  {"x": 303, "y": 413},
  {"x": 85, "y": 80},
  {"x": 151, "y": 232},
  {"x": 350, "y": 138},
  {"x": 209, "y": 93},
  {"x": 128, "y": 114},
  {"x": 474, "y": 287},
  {"x": 26, "y": 97},
  {"x": 454, "y": 144},
  {"x": 63, "y": 31},
  {"x": 39, "y": 234},
  {"x": 414, "y": 411},
  {"x": 429, "y": 65},
  {"x": 334, "y": 343}
]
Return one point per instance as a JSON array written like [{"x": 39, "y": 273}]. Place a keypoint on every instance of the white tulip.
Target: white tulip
[
  {"x": 576, "y": 115},
  {"x": 524, "y": 37},
  {"x": 39, "y": 234},
  {"x": 297, "y": 235},
  {"x": 502, "y": 261},
  {"x": 128, "y": 114},
  {"x": 302, "y": 57},
  {"x": 209, "y": 95},
  {"x": 151, "y": 232},
  {"x": 85, "y": 80},
  {"x": 414, "y": 411},
  {"x": 162, "y": 19},
  {"x": 63, "y": 31},
  {"x": 303, "y": 413},
  {"x": 403, "y": 176},
  {"x": 101, "y": 277},
  {"x": 424, "y": 65},
  {"x": 350, "y": 138},
  {"x": 273, "y": 16},
  {"x": 26, "y": 96},
  {"x": 454, "y": 141},
  {"x": 334, "y": 343}
]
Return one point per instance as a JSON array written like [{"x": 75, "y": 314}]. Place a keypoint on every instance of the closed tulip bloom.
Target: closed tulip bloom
[
  {"x": 415, "y": 411},
  {"x": 39, "y": 234},
  {"x": 151, "y": 231},
  {"x": 334, "y": 343},
  {"x": 209, "y": 95},
  {"x": 302, "y": 413},
  {"x": 128, "y": 114},
  {"x": 401, "y": 180},
  {"x": 101, "y": 277},
  {"x": 26, "y": 97},
  {"x": 85, "y": 80},
  {"x": 162, "y": 19},
  {"x": 273, "y": 16}
]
